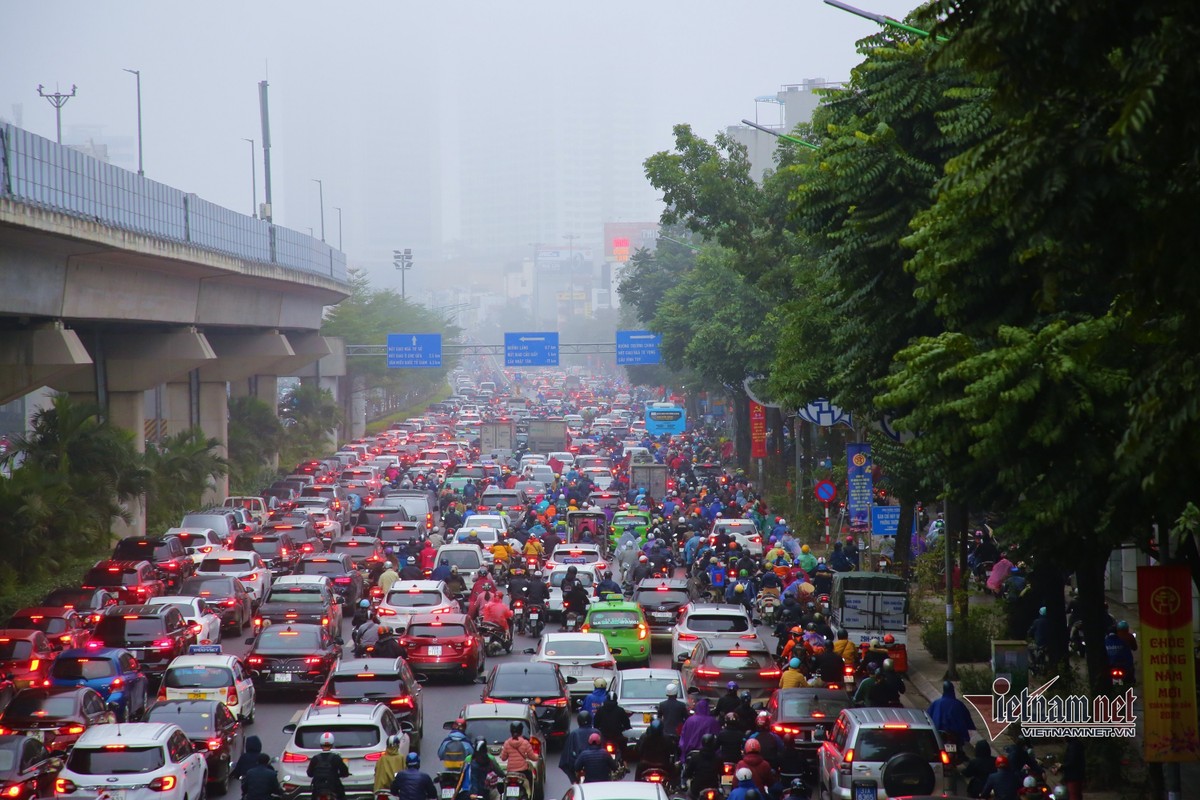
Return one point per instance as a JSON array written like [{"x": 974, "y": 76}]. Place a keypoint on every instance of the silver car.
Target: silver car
[
  {"x": 583, "y": 656},
  {"x": 639, "y": 691}
]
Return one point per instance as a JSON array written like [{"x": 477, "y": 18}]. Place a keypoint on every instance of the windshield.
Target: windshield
[
  {"x": 116, "y": 628},
  {"x": 343, "y": 736},
  {"x": 191, "y": 721},
  {"x": 141, "y": 551},
  {"x": 494, "y": 731},
  {"x": 83, "y": 668},
  {"x": 614, "y": 619},
  {"x": 880, "y": 745},
  {"x": 797, "y": 704},
  {"x": 105, "y": 576},
  {"x": 717, "y": 623},
  {"x": 409, "y": 599},
  {"x": 295, "y": 594},
  {"x": 353, "y": 688},
  {"x": 325, "y": 567},
  {"x": 226, "y": 565},
  {"x": 28, "y": 704},
  {"x": 569, "y": 648},
  {"x": 193, "y": 539},
  {"x": 738, "y": 660},
  {"x": 463, "y": 559},
  {"x": 71, "y": 598},
  {"x": 115, "y": 759},
  {"x": 211, "y": 587},
  {"x": 585, "y": 578},
  {"x": 283, "y": 638},
  {"x": 534, "y": 683},
  {"x": 51, "y": 625},
  {"x": 645, "y": 688},
  {"x": 656, "y": 597},
  {"x": 264, "y": 547},
  {"x": 438, "y": 631},
  {"x": 566, "y": 555},
  {"x": 198, "y": 677},
  {"x": 417, "y": 507}
]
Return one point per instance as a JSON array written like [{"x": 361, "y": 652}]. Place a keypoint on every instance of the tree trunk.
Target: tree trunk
[
  {"x": 956, "y": 522},
  {"x": 741, "y": 430},
  {"x": 1049, "y": 583},
  {"x": 902, "y": 553},
  {"x": 1089, "y": 576}
]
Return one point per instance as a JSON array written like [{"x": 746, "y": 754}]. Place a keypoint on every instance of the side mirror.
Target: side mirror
[
  {"x": 421, "y": 677},
  {"x": 249, "y": 640},
  {"x": 338, "y": 640},
  {"x": 289, "y": 728},
  {"x": 530, "y": 651},
  {"x": 407, "y": 727},
  {"x": 683, "y": 659},
  {"x": 448, "y": 725},
  {"x": 571, "y": 679}
]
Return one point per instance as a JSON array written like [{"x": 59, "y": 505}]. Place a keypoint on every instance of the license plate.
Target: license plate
[
  {"x": 661, "y": 615},
  {"x": 195, "y": 695},
  {"x": 434, "y": 650},
  {"x": 535, "y": 615},
  {"x": 848, "y": 680},
  {"x": 512, "y": 791},
  {"x": 951, "y": 748},
  {"x": 575, "y": 671},
  {"x": 447, "y": 793},
  {"x": 282, "y": 677},
  {"x": 726, "y": 781},
  {"x": 865, "y": 793},
  {"x": 114, "y": 794}
]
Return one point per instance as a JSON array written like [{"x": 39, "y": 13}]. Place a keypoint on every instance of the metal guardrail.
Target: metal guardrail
[
  {"x": 43, "y": 173},
  {"x": 564, "y": 349}
]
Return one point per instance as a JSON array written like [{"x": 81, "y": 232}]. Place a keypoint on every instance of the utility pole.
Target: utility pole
[
  {"x": 321, "y": 189},
  {"x": 403, "y": 261},
  {"x": 58, "y": 100},
  {"x": 137, "y": 73},
  {"x": 253, "y": 179},
  {"x": 335, "y": 208},
  {"x": 571, "y": 237},
  {"x": 264, "y": 112}
]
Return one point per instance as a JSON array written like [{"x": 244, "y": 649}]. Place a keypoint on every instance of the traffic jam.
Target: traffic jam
[{"x": 548, "y": 584}]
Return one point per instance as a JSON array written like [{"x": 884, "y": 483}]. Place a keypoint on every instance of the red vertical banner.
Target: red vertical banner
[
  {"x": 758, "y": 430},
  {"x": 1168, "y": 665}
]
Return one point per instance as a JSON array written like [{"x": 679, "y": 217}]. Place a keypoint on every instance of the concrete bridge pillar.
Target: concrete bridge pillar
[{"x": 31, "y": 359}]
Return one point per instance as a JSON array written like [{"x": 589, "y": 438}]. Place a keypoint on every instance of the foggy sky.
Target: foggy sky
[{"x": 377, "y": 99}]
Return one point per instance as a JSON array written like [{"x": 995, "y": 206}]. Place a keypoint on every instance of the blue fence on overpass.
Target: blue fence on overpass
[{"x": 40, "y": 172}]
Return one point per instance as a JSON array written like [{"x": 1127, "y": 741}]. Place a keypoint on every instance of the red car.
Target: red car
[
  {"x": 64, "y": 627},
  {"x": 135, "y": 581},
  {"x": 26, "y": 656},
  {"x": 444, "y": 644}
]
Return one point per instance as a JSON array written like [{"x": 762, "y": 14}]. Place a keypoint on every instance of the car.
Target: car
[
  {"x": 492, "y": 722},
  {"x": 27, "y": 768},
  {"x": 296, "y": 523},
  {"x": 371, "y": 516},
  {"x": 660, "y": 600},
  {"x": 616, "y": 790},
  {"x": 348, "y": 583},
  {"x": 712, "y": 665},
  {"x": 250, "y": 523},
  {"x": 335, "y": 495},
  {"x": 138, "y": 761},
  {"x": 897, "y": 751},
  {"x": 389, "y": 681},
  {"x": 55, "y": 717},
  {"x": 304, "y": 599},
  {"x": 638, "y": 521},
  {"x": 25, "y": 657},
  {"x": 639, "y": 691},
  {"x": 167, "y": 554},
  {"x": 204, "y": 620},
  {"x": 583, "y": 656},
  {"x": 401, "y": 536},
  {"x": 514, "y": 501},
  {"x": 360, "y": 734},
  {"x": 601, "y": 477},
  {"x": 226, "y": 595},
  {"x": 445, "y": 643},
  {"x": 485, "y": 535},
  {"x": 499, "y": 522},
  {"x": 246, "y": 567},
  {"x": 539, "y": 685},
  {"x": 198, "y": 542},
  {"x": 578, "y": 554},
  {"x": 407, "y": 598},
  {"x": 292, "y": 656},
  {"x": 210, "y": 675},
  {"x": 212, "y": 729},
  {"x": 364, "y": 551},
  {"x": 586, "y": 575},
  {"x": 221, "y": 520},
  {"x": 742, "y": 531},
  {"x": 467, "y": 557},
  {"x": 624, "y": 626},
  {"x": 279, "y": 548},
  {"x": 88, "y": 602},
  {"x": 111, "y": 671},
  {"x": 327, "y": 521},
  {"x": 712, "y": 622},
  {"x": 153, "y": 634},
  {"x": 800, "y": 717},
  {"x": 420, "y": 504},
  {"x": 134, "y": 581},
  {"x": 64, "y": 627},
  {"x": 256, "y": 506}
]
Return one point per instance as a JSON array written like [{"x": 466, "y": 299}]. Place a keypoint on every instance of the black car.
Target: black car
[
  {"x": 369, "y": 518},
  {"x": 155, "y": 635},
  {"x": 400, "y": 536},
  {"x": 166, "y": 554},
  {"x": 539, "y": 685},
  {"x": 212, "y": 729},
  {"x": 225, "y": 595},
  {"x": 301, "y": 599},
  {"x": 292, "y": 656},
  {"x": 348, "y": 582},
  {"x": 660, "y": 600},
  {"x": 388, "y": 681},
  {"x": 797, "y": 715},
  {"x": 280, "y": 550},
  {"x": 55, "y": 717},
  {"x": 91, "y": 603},
  {"x": 364, "y": 551},
  {"x": 27, "y": 768},
  {"x": 297, "y": 524}
]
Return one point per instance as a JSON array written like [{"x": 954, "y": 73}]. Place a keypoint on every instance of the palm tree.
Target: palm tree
[
  {"x": 313, "y": 414},
  {"x": 181, "y": 469}
]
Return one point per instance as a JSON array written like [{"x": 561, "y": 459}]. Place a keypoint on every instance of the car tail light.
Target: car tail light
[
  {"x": 118, "y": 683},
  {"x": 71, "y": 729},
  {"x": 780, "y": 728},
  {"x": 536, "y": 743},
  {"x": 604, "y": 665},
  {"x": 708, "y": 672},
  {"x": 374, "y": 756},
  {"x": 847, "y": 760},
  {"x": 164, "y": 644},
  {"x": 214, "y": 744},
  {"x": 255, "y": 661},
  {"x": 163, "y": 783},
  {"x": 895, "y": 726},
  {"x": 642, "y": 630},
  {"x": 386, "y": 612},
  {"x": 774, "y": 672},
  {"x": 654, "y": 777},
  {"x": 294, "y": 758},
  {"x": 253, "y": 576},
  {"x": 64, "y": 786},
  {"x": 313, "y": 660},
  {"x": 231, "y": 698},
  {"x": 162, "y": 691},
  {"x": 231, "y": 602},
  {"x": 945, "y": 758},
  {"x": 688, "y": 637},
  {"x": 555, "y": 701},
  {"x": 342, "y": 581},
  {"x": 34, "y": 664}
]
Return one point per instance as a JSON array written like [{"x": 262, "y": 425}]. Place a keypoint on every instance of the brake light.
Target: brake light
[
  {"x": 163, "y": 783},
  {"x": 775, "y": 672},
  {"x": 374, "y": 756},
  {"x": 253, "y": 576},
  {"x": 688, "y": 637},
  {"x": 162, "y": 691},
  {"x": 707, "y": 672},
  {"x": 231, "y": 698},
  {"x": 779, "y": 728},
  {"x": 642, "y": 631},
  {"x": 403, "y": 702},
  {"x": 557, "y": 701},
  {"x": 738, "y": 653},
  {"x": 63, "y": 786},
  {"x": 895, "y": 726},
  {"x": 294, "y": 758},
  {"x": 34, "y": 664},
  {"x": 604, "y": 665},
  {"x": 386, "y": 612},
  {"x": 342, "y": 581},
  {"x": 118, "y": 683},
  {"x": 849, "y": 757},
  {"x": 214, "y": 744},
  {"x": 945, "y": 758},
  {"x": 255, "y": 661},
  {"x": 70, "y": 729},
  {"x": 585, "y": 628},
  {"x": 164, "y": 644},
  {"x": 313, "y": 660},
  {"x": 231, "y": 602}
]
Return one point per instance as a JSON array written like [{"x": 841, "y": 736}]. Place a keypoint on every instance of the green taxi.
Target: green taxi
[
  {"x": 623, "y": 520},
  {"x": 623, "y": 625}
]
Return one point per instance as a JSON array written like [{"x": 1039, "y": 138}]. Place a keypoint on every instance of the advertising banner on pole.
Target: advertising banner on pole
[
  {"x": 1168, "y": 668},
  {"x": 859, "y": 476},
  {"x": 758, "y": 430}
]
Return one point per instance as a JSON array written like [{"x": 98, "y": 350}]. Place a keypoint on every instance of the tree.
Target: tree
[
  {"x": 179, "y": 472},
  {"x": 255, "y": 439},
  {"x": 310, "y": 415}
]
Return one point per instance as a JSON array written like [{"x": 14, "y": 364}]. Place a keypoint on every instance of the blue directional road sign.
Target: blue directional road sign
[
  {"x": 414, "y": 350},
  {"x": 531, "y": 349},
  {"x": 638, "y": 347}
]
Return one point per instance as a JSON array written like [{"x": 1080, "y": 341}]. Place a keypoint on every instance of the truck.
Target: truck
[
  {"x": 871, "y": 605},
  {"x": 497, "y": 439},
  {"x": 547, "y": 435},
  {"x": 652, "y": 477}
]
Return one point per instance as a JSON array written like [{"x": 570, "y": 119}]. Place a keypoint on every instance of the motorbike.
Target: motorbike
[
  {"x": 1075, "y": 639},
  {"x": 571, "y": 621},
  {"x": 1117, "y": 676},
  {"x": 494, "y": 640},
  {"x": 617, "y": 751},
  {"x": 448, "y": 783},
  {"x": 655, "y": 773},
  {"x": 535, "y": 613},
  {"x": 516, "y": 787},
  {"x": 1039, "y": 662},
  {"x": 767, "y": 606},
  {"x": 518, "y": 618}
]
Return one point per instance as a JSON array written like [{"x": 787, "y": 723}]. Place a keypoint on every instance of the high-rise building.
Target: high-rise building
[{"x": 796, "y": 102}]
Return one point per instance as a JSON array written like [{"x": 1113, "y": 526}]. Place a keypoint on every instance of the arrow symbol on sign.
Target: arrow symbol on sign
[
  {"x": 644, "y": 336},
  {"x": 414, "y": 341},
  {"x": 533, "y": 338}
]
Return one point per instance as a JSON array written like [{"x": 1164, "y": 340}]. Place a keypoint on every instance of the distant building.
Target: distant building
[{"x": 797, "y": 102}]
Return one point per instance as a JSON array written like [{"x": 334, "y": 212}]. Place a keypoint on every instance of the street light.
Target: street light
[
  {"x": 253, "y": 179},
  {"x": 775, "y": 133},
  {"x": 884, "y": 20},
  {"x": 58, "y": 100},
  {"x": 137, "y": 73},
  {"x": 403, "y": 261},
  {"x": 335, "y": 208},
  {"x": 321, "y": 189}
]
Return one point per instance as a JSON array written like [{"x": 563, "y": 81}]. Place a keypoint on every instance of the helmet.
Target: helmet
[
  {"x": 672, "y": 690},
  {"x": 794, "y": 664},
  {"x": 708, "y": 741},
  {"x": 458, "y": 724},
  {"x": 1122, "y": 625},
  {"x": 745, "y": 695},
  {"x": 731, "y": 719},
  {"x": 762, "y": 719},
  {"x": 1042, "y": 613},
  {"x": 713, "y": 560},
  {"x": 753, "y": 746},
  {"x": 889, "y": 639},
  {"x": 1001, "y": 762},
  {"x": 481, "y": 745},
  {"x": 384, "y": 630},
  {"x": 413, "y": 760},
  {"x": 600, "y": 683},
  {"x": 1059, "y": 793},
  {"x": 739, "y": 589},
  {"x": 608, "y": 573},
  {"x": 499, "y": 506},
  {"x": 410, "y": 560},
  {"x": 731, "y": 686},
  {"x": 799, "y": 786},
  {"x": 387, "y": 565},
  {"x": 327, "y": 739},
  {"x": 364, "y": 603},
  {"x": 874, "y": 643},
  {"x": 537, "y": 573},
  {"x": 516, "y": 729},
  {"x": 454, "y": 569},
  {"x": 394, "y": 741},
  {"x": 744, "y": 774},
  {"x": 642, "y": 558},
  {"x": 1030, "y": 782},
  {"x": 650, "y": 537},
  {"x": 888, "y": 665},
  {"x": 743, "y": 574},
  {"x": 594, "y": 739},
  {"x": 445, "y": 561},
  {"x": 821, "y": 561},
  {"x": 796, "y": 630},
  {"x": 782, "y": 521},
  {"x": 810, "y": 626},
  {"x": 584, "y": 718},
  {"x": 804, "y": 548}
]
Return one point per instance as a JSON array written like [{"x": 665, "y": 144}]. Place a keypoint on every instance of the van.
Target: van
[
  {"x": 221, "y": 520},
  {"x": 882, "y": 752}
]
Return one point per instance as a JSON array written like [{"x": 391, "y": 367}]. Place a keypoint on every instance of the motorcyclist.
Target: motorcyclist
[
  {"x": 499, "y": 614},
  {"x": 362, "y": 612},
  {"x": 655, "y": 749},
  {"x": 479, "y": 769},
  {"x": 888, "y": 687},
  {"x": 822, "y": 577},
  {"x": 594, "y": 764},
  {"x": 770, "y": 744},
  {"x": 979, "y": 767},
  {"x": 456, "y": 748},
  {"x": 261, "y": 781},
  {"x": 365, "y": 636},
  {"x": 326, "y": 769},
  {"x": 745, "y": 711},
  {"x": 427, "y": 558},
  {"x": 576, "y": 743},
  {"x": 951, "y": 716},
  {"x": 731, "y": 737},
  {"x": 673, "y": 712},
  {"x": 538, "y": 592},
  {"x": 641, "y": 570},
  {"x": 387, "y": 578},
  {"x": 533, "y": 547},
  {"x": 702, "y": 768},
  {"x": 483, "y": 583},
  {"x": 874, "y": 655},
  {"x": 411, "y": 572},
  {"x": 700, "y": 724},
  {"x": 391, "y": 762},
  {"x": 517, "y": 753},
  {"x": 729, "y": 701},
  {"x": 793, "y": 677},
  {"x": 455, "y": 583},
  {"x": 575, "y": 601},
  {"x": 838, "y": 560},
  {"x": 387, "y": 645},
  {"x": 612, "y": 721},
  {"x": 807, "y": 561},
  {"x": 1004, "y": 783},
  {"x": 829, "y": 665},
  {"x": 845, "y": 649},
  {"x": 592, "y": 702},
  {"x": 412, "y": 784},
  {"x": 753, "y": 759},
  {"x": 1119, "y": 654},
  {"x": 607, "y": 585}
]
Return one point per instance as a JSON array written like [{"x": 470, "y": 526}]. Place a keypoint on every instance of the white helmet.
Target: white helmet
[
  {"x": 650, "y": 537},
  {"x": 744, "y": 774},
  {"x": 672, "y": 690},
  {"x": 387, "y": 565},
  {"x": 327, "y": 739},
  {"x": 782, "y": 521},
  {"x": 1060, "y": 792}
]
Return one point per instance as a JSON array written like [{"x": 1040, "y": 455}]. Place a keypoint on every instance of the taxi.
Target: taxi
[
  {"x": 207, "y": 673},
  {"x": 623, "y": 625},
  {"x": 639, "y": 521}
]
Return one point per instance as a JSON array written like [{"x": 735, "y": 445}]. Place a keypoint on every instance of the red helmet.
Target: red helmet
[
  {"x": 1001, "y": 762},
  {"x": 889, "y": 639},
  {"x": 753, "y": 746}
]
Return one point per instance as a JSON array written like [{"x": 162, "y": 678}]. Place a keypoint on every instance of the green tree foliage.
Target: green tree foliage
[
  {"x": 179, "y": 471},
  {"x": 310, "y": 415},
  {"x": 255, "y": 439}
]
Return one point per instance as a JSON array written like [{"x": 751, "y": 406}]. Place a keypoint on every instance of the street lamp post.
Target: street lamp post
[
  {"x": 58, "y": 100},
  {"x": 137, "y": 73},
  {"x": 253, "y": 179},
  {"x": 335, "y": 208},
  {"x": 321, "y": 190},
  {"x": 403, "y": 261},
  {"x": 571, "y": 237}
]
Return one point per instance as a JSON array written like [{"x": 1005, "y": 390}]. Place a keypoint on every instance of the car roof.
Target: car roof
[
  {"x": 872, "y": 717},
  {"x": 324, "y": 715},
  {"x": 91, "y": 652},
  {"x": 301, "y": 580},
  {"x": 354, "y": 666},
  {"x": 452, "y": 617},
  {"x": 425, "y": 586},
  {"x": 618, "y": 790},
  {"x": 614, "y": 605},
  {"x": 496, "y": 711},
  {"x": 137, "y": 733},
  {"x": 717, "y": 608},
  {"x": 670, "y": 583},
  {"x": 45, "y": 611},
  {"x": 204, "y": 660},
  {"x": 572, "y": 637},
  {"x": 648, "y": 673},
  {"x": 20, "y": 633}
]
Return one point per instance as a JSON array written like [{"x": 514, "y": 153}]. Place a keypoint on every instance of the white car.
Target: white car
[
  {"x": 583, "y": 656},
  {"x": 245, "y": 565},
  {"x": 407, "y": 598},
  {"x": 133, "y": 761},
  {"x": 639, "y": 691},
  {"x": 326, "y": 524},
  {"x": 600, "y": 476},
  {"x": 205, "y": 622},
  {"x": 587, "y": 576},
  {"x": 580, "y": 555},
  {"x": 616, "y": 790},
  {"x": 713, "y": 622},
  {"x": 744, "y": 532},
  {"x": 211, "y": 676},
  {"x": 497, "y": 521},
  {"x": 567, "y": 459},
  {"x": 530, "y": 458},
  {"x": 360, "y": 734},
  {"x": 197, "y": 542},
  {"x": 467, "y": 557}
]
